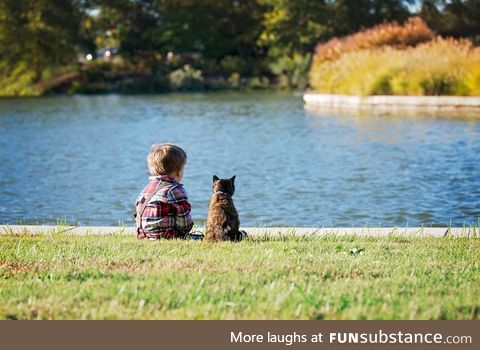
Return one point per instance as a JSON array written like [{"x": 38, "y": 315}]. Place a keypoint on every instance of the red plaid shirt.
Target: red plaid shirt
[{"x": 167, "y": 214}]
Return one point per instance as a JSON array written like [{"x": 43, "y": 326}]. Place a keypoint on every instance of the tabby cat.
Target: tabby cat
[{"x": 222, "y": 220}]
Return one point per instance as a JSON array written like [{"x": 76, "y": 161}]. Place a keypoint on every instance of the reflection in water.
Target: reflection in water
[{"x": 83, "y": 159}]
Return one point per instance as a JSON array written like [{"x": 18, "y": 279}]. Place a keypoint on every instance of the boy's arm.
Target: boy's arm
[
  {"x": 137, "y": 201},
  {"x": 179, "y": 200}
]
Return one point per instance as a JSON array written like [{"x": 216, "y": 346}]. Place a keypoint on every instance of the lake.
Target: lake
[{"x": 82, "y": 159}]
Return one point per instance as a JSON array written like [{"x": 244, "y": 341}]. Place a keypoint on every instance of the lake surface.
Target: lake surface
[{"x": 83, "y": 159}]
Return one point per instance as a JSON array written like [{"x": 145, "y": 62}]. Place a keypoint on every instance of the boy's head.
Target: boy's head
[{"x": 166, "y": 159}]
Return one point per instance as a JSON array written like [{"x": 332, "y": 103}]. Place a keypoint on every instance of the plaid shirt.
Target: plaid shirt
[{"x": 167, "y": 215}]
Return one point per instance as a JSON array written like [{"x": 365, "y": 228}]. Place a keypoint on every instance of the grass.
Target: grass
[
  {"x": 439, "y": 67},
  {"x": 61, "y": 276}
]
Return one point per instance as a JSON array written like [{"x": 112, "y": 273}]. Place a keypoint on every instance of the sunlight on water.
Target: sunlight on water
[{"x": 83, "y": 159}]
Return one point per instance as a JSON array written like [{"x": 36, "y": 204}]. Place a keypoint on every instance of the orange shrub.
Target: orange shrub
[{"x": 411, "y": 33}]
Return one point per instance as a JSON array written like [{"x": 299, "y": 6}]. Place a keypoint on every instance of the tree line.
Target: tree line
[{"x": 250, "y": 38}]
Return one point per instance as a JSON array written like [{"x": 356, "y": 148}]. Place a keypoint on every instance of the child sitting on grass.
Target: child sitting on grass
[{"x": 162, "y": 208}]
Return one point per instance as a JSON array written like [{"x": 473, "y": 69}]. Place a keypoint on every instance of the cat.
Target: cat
[{"x": 222, "y": 220}]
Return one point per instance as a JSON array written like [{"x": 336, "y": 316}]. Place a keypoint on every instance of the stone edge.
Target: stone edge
[
  {"x": 262, "y": 231},
  {"x": 435, "y": 105}
]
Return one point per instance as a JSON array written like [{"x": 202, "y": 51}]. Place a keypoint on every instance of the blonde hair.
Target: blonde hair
[{"x": 165, "y": 159}]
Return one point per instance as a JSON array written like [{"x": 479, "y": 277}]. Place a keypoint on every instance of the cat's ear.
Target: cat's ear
[
  {"x": 215, "y": 178},
  {"x": 232, "y": 179}
]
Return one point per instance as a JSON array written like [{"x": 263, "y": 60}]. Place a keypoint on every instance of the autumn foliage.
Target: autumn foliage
[{"x": 393, "y": 59}]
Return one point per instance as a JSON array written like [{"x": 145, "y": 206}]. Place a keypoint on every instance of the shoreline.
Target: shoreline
[
  {"x": 394, "y": 104},
  {"x": 261, "y": 231},
  {"x": 247, "y": 91}
]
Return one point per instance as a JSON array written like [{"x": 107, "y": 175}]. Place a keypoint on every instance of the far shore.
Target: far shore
[{"x": 468, "y": 106}]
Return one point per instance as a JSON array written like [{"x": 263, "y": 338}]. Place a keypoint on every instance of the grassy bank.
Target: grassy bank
[{"x": 116, "y": 276}]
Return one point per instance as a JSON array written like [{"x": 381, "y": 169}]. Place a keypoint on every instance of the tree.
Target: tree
[
  {"x": 294, "y": 26},
  {"x": 349, "y": 16},
  {"x": 457, "y": 18},
  {"x": 291, "y": 29},
  {"x": 38, "y": 34},
  {"x": 213, "y": 28}
]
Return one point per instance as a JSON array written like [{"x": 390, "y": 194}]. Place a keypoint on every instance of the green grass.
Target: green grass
[{"x": 62, "y": 276}]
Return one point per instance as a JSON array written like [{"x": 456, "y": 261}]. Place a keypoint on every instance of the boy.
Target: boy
[{"x": 162, "y": 208}]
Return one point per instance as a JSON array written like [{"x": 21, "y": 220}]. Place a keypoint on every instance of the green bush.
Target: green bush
[
  {"x": 231, "y": 64},
  {"x": 186, "y": 79},
  {"x": 293, "y": 69},
  {"x": 19, "y": 81},
  {"x": 258, "y": 83}
]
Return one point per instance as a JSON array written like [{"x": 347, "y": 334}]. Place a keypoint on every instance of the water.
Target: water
[{"x": 83, "y": 159}]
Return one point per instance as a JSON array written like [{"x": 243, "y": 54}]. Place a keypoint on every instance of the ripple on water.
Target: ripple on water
[{"x": 293, "y": 167}]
